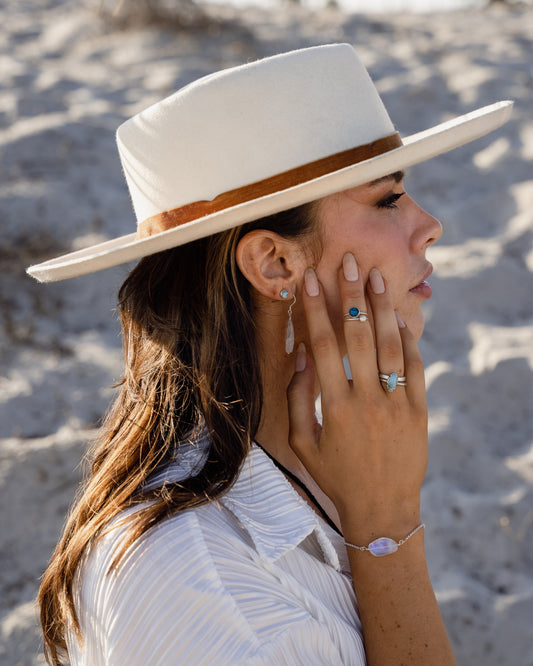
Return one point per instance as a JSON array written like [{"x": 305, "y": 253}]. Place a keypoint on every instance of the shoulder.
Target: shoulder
[
  {"x": 220, "y": 583},
  {"x": 165, "y": 591},
  {"x": 183, "y": 546}
]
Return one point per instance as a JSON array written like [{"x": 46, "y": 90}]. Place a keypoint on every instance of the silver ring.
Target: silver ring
[
  {"x": 355, "y": 314},
  {"x": 392, "y": 381}
]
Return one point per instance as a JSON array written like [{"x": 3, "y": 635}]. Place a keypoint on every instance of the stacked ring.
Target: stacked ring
[
  {"x": 355, "y": 314},
  {"x": 392, "y": 381}
]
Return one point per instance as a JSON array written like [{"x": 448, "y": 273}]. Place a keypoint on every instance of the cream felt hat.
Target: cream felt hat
[{"x": 254, "y": 140}]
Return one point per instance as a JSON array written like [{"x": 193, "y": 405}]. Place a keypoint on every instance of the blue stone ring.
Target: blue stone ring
[
  {"x": 392, "y": 381},
  {"x": 355, "y": 314}
]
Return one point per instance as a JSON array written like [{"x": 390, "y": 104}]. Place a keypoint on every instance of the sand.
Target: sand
[{"x": 70, "y": 77}]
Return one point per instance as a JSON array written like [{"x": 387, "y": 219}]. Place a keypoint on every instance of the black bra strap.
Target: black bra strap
[{"x": 301, "y": 485}]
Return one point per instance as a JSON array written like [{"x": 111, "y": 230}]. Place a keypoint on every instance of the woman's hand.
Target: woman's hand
[{"x": 370, "y": 454}]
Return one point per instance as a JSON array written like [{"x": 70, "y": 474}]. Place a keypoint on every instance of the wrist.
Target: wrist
[
  {"x": 364, "y": 528},
  {"x": 383, "y": 546}
]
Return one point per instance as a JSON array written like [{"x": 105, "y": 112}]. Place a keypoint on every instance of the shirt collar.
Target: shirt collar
[
  {"x": 262, "y": 499},
  {"x": 272, "y": 512}
]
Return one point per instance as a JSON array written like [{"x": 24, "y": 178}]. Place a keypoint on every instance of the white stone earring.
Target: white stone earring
[{"x": 289, "y": 336}]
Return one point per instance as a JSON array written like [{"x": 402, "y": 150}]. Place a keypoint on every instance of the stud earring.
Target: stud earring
[{"x": 289, "y": 335}]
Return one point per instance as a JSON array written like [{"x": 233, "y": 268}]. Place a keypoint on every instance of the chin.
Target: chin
[
  {"x": 417, "y": 327},
  {"x": 415, "y": 323}
]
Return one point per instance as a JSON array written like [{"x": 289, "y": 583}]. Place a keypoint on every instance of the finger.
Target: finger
[
  {"x": 389, "y": 347},
  {"x": 326, "y": 354},
  {"x": 414, "y": 368},
  {"x": 303, "y": 426},
  {"x": 358, "y": 334}
]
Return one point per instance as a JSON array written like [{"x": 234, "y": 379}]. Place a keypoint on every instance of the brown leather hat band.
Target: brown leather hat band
[{"x": 178, "y": 216}]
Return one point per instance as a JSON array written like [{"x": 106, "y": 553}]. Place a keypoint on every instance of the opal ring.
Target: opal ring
[
  {"x": 355, "y": 314},
  {"x": 392, "y": 381}
]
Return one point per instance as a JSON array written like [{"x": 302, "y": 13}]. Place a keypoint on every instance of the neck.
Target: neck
[
  {"x": 273, "y": 432},
  {"x": 273, "y": 437},
  {"x": 277, "y": 370}
]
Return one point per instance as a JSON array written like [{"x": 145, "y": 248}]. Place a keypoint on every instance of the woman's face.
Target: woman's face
[{"x": 385, "y": 229}]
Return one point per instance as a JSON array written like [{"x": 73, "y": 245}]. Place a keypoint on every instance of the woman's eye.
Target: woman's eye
[{"x": 389, "y": 201}]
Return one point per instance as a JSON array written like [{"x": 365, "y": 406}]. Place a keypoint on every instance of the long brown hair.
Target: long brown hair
[{"x": 190, "y": 360}]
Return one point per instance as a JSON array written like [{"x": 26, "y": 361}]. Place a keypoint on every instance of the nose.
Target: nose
[{"x": 428, "y": 229}]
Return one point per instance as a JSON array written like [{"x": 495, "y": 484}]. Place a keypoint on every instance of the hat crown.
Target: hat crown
[{"x": 248, "y": 123}]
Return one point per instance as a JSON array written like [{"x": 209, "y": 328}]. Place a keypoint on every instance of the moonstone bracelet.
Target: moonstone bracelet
[{"x": 383, "y": 545}]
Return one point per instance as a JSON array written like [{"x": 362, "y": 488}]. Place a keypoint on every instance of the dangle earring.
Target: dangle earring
[{"x": 289, "y": 336}]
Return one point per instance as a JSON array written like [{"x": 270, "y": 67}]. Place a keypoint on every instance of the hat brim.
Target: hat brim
[{"x": 415, "y": 149}]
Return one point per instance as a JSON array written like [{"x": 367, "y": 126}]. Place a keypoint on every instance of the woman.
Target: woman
[{"x": 221, "y": 523}]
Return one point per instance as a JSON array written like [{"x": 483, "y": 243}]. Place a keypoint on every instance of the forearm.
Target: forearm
[{"x": 401, "y": 620}]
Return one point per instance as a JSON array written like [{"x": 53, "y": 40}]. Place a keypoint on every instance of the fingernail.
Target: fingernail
[
  {"x": 311, "y": 283},
  {"x": 400, "y": 321},
  {"x": 301, "y": 358},
  {"x": 376, "y": 281},
  {"x": 349, "y": 266}
]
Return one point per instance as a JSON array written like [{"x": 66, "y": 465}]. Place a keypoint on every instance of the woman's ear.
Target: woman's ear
[{"x": 269, "y": 262}]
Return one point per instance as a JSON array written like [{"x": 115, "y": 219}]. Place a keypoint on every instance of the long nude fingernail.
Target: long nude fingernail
[
  {"x": 349, "y": 267},
  {"x": 400, "y": 321},
  {"x": 311, "y": 283},
  {"x": 301, "y": 358},
  {"x": 376, "y": 281}
]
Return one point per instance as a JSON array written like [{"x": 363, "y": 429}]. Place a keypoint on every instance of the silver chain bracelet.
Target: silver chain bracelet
[{"x": 383, "y": 545}]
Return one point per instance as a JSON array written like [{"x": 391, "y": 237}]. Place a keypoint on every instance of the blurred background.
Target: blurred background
[{"x": 72, "y": 72}]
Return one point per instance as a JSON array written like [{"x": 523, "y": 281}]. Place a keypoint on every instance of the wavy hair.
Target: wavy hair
[{"x": 183, "y": 312}]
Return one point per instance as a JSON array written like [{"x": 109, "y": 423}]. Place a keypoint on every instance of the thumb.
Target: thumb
[{"x": 303, "y": 426}]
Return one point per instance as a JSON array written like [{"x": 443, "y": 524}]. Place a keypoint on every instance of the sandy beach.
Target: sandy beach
[{"x": 70, "y": 76}]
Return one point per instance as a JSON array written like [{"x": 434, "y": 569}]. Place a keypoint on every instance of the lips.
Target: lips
[
  {"x": 424, "y": 276},
  {"x": 423, "y": 288}
]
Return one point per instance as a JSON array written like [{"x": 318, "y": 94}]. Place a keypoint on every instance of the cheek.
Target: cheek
[{"x": 406, "y": 304}]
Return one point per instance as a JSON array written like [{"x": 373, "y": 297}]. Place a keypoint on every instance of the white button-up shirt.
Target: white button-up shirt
[{"x": 256, "y": 577}]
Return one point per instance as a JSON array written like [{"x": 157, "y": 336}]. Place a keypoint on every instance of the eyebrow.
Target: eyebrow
[{"x": 397, "y": 176}]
